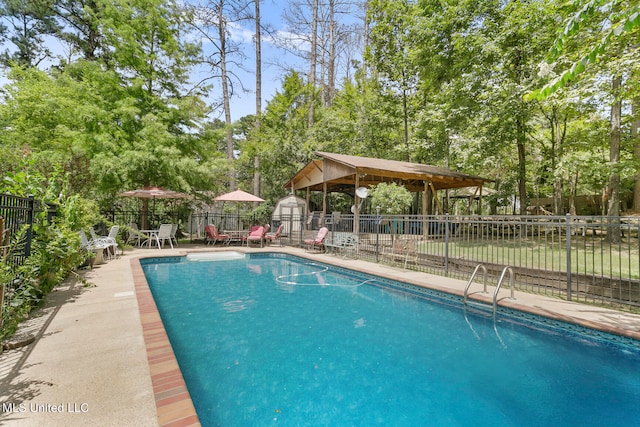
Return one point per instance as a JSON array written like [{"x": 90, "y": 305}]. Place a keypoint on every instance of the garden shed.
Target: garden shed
[{"x": 287, "y": 209}]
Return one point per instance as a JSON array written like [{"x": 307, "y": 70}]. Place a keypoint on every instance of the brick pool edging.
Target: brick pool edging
[{"x": 173, "y": 402}]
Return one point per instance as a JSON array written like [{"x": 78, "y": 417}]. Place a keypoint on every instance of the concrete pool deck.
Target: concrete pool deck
[{"x": 101, "y": 357}]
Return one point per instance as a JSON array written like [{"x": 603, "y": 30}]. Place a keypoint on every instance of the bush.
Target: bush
[
  {"x": 55, "y": 252},
  {"x": 392, "y": 198}
]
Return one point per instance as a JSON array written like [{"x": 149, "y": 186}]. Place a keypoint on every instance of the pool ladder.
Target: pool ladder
[{"x": 479, "y": 267}]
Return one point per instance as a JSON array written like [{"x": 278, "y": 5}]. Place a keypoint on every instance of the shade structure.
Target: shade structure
[
  {"x": 154, "y": 193},
  {"x": 147, "y": 193},
  {"x": 238, "y": 196}
]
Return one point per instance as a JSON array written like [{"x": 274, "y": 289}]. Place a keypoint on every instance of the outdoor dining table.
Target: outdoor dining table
[{"x": 152, "y": 234}]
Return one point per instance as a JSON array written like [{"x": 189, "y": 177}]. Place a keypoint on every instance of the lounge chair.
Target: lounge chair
[
  {"x": 318, "y": 242},
  {"x": 258, "y": 235},
  {"x": 272, "y": 237},
  {"x": 213, "y": 236}
]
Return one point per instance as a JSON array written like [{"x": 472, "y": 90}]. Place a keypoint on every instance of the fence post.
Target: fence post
[
  {"x": 568, "y": 249},
  {"x": 2, "y": 260},
  {"x": 378, "y": 221},
  {"x": 30, "y": 209},
  {"x": 446, "y": 244}
]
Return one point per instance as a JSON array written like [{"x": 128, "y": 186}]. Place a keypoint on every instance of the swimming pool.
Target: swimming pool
[{"x": 274, "y": 340}]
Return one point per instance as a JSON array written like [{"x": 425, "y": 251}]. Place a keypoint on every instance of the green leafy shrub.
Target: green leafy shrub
[
  {"x": 392, "y": 198},
  {"x": 55, "y": 252}
]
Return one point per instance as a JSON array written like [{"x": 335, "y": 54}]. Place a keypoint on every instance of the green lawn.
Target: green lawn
[{"x": 587, "y": 256}]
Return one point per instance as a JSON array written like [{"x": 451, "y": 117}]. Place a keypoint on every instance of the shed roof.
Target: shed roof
[{"x": 339, "y": 172}]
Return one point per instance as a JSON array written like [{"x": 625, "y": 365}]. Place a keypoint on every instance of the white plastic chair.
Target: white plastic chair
[
  {"x": 106, "y": 242},
  {"x": 95, "y": 246},
  {"x": 110, "y": 240},
  {"x": 174, "y": 229},
  {"x": 164, "y": 233},
  {"x": 134, "y": 234}
]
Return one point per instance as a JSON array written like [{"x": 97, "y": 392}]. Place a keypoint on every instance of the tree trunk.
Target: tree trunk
[
  {"x": 635, "y": 124},
  {"x": 522, "y": 166},
  {"x": 313, "y": 61},
  {"x": 572, "y": 194},
  {"x": 225, "y": 85},
  {"x": 558, "y": 132},
  {"x": 365, "y": 36},
  {"x": 256, "y": 159},
  {"x": 613, "y": 234},
  {"x": 331, "y": 66}
]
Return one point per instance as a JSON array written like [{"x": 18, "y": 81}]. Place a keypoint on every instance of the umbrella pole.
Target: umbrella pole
[{"x": 145, "y": 214}]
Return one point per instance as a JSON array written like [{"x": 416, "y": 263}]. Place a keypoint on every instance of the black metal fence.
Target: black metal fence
[{"x": 17, "y": 213}]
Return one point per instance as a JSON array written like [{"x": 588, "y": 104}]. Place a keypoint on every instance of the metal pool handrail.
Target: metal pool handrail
[
  {"x": 495, "y": 293},
  {"x": 475, "y": 271}
]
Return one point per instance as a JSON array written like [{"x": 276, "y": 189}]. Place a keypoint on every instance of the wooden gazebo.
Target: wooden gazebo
[{"x": 344, "y": 174}]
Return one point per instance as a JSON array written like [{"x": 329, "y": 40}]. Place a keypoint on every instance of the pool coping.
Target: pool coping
[{"x": 173, "y": 401}]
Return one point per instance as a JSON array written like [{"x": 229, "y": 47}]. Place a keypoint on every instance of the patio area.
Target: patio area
[{"x": 90, "y": 364}]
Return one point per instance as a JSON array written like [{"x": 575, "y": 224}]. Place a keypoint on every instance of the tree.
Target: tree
[
  {"x": 616, "y": 19},
  {"x": 615, "y": 24},
  {"x": 258, "y": 41},
  {"x": 80, "y": 27},
  {"x": 280, "y": 142},
  {"x": 390, "y": 50},
  {"x": 392, "y": 198},
  {"x": 26, "y": 24}
]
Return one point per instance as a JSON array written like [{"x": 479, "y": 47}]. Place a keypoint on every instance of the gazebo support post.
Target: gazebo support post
[
  {"x": 425, "y": 209},
  {"x": 324, "y": 202},
  {"x": 356, "y": 202},
  {"x": 435, "y": 196},
  {"x": 306, "y": 220}
]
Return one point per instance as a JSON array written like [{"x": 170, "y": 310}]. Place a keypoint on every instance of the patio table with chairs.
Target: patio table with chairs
[{"x": 160, "y": 235}]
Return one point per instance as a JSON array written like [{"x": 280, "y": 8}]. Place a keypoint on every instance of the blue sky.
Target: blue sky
[{"x": 243, "y": 101}]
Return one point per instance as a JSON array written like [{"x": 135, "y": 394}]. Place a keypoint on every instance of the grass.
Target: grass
[{"x": 587, "y": 256}]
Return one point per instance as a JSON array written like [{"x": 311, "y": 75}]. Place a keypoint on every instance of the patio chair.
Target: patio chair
[
  {"x": 272, "y": 237},
  {"x": 258, "y": 235},
  {"x": 164, "y": 233},
  {"x": 213, "y": 236},
  {"x": 97, "y": 247},
  {"x": 94, "y": 236},
  {"x": 318, "y": 242},
  {"x": 106, "y": 242},
  {"x": 134, "y": 234},
  {"x": 174, "y": 229},
  {"x": 111, "y": 242}
]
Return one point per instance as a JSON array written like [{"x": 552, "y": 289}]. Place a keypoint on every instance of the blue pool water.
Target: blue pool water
[{"x": 278, "y": 341}]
